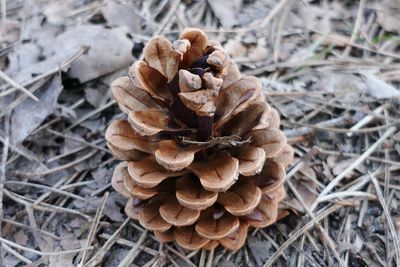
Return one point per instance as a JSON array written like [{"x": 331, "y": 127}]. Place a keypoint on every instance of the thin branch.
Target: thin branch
[
  {"x": 350, "y": 168},
  {"x": 388, "y": 217},
  {"x": 10, "y": 81}
]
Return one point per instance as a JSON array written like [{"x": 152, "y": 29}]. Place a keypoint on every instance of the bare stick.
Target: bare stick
[
  {"x": 346, "y": 119},
  {"x": 128, "y": 243},
  {"x": 2, "y": 180},
  {"x": 202, "y": 258},
  {"x": 293, "y": 237},
  {"x": 130, "y": 257},
  {"x": 359, "y": 20},
  {"x": 210, "y": 258},
  {"x": 347, "y": 194},
  {"x": 388, "y": 218},
  {"x": 357, "y": 162},
  {"x": 43, "y": 232},
  {"x": 16, "y": 254},
  {"x": 272, "y": 13},
  {"x": 78, "y": 140},
  {"x": 324, "y": 233},
  {"x": 34, "y": 176},
  {"x": 353, "y": 155},
  {"x": 41, "y": 253},
  {"x": 366, "y": 119},
  {"x": 10, "y": 81},
  {"x": 98, "y": 257},
  {"x": 80, "y": 52},
  {"x": 52, "y": 189},
  {"x": 90, "y": 114},
  {"x": 96, "y": 221},
  {"x": 43, "y": 206}
]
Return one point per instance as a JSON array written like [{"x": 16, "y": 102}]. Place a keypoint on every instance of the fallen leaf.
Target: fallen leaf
[
  {"x": 305, "y": 184},
  {"x": 10, "y": 261},
  {"x": 226, "y": 11},
  {"x": 338, "y": 165},
  {"x": 111, "y": 210},
  {"x": 109, "y": 51},
  {"x": 21, "y": 238},
  {"x": 95, "y": 96},
  {"x": 317, "y": 18},
  {"x": 397, "y": 224},
  {"x": 68, "y": 241},
  {"x": 57, "y": 12},
  {"x": 349, "y": 86},
  {"x": 259, "y": 249},
  {"x": 65, "y": 260},
  {"x": 116, "y": 256},
  {"x": 28, "y": 115},
  {"x": 388, "y": 15},
  {"x": 122, "y": 14},
  {"x": 102, "y": 176},
  {"x": 22, "y": 56},
  {"x": 379, "y": 88},
  {"x": 10, "y": 31},
  {"x": 235, "y": 48}
]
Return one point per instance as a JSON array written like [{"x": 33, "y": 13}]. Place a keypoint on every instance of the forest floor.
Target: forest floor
[{"x": 331, "y": 68}]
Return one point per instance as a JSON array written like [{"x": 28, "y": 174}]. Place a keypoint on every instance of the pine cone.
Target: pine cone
[{"x": 203, "y": 156}]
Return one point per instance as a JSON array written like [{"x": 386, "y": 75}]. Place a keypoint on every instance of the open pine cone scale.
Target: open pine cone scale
[{"x": 203, "y": 156}]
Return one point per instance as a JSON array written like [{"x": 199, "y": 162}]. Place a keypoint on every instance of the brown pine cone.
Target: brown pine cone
[{"x": 203, "y": 156}]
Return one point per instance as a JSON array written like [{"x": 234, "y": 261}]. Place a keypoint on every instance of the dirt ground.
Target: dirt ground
[{"x": 331, "y": 68}]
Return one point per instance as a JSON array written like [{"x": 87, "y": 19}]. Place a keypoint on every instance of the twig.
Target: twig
[
  {"x": 343, "y": 120},
  {"x": 16, "y": 254},
  {"x": 74, "y": 57},
  {"x": 272, "y": 14},
  {"x": 42, "y": 253},
  {"x": 66, "y": 179},
  {"x": 186, "y": 259},
  {"x": 278, "y": 35},
  {"x": 90, "y": 114},
  {"x": 338, "y": 130},
  {"x": 43, "y": 206},
  {"x": 130, "y": 257},
  {"x": 378, "y": 52},
  {"x": 52, "y": 189},
  {"x": 73, "y": 151},
  {"x": 167, "y": 17},
  {"x": 350, "y": 168},
  {"x": 293, "y": 237},
  {"x": 34, "y": 176},
  {"x": 363, "y": 209},
  {"x": 347, "y": 194},
  {"x": 202, "y": 258},
  {"x": 98, "y": 257},
  {"x": 367, "y": 119},
  {"x": 210, "y": 258},
  {"x": 92, "y": 232},
  {"x": 20, "y": 98},
  {"x": 78, "y": 140},
  {"x": 28, "y": 227},
  {"x": 21, "y": 150},
  {"x": 10, "y": 81},
  {"x": 2, "y": 180},
  {"x": 353, "y": 155},
  {"x": 128, "y": 243},
  {"x": 357, "y": 25},
  {"x": 388, "y": 218},
  {"x": 324, "y": 233}
]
